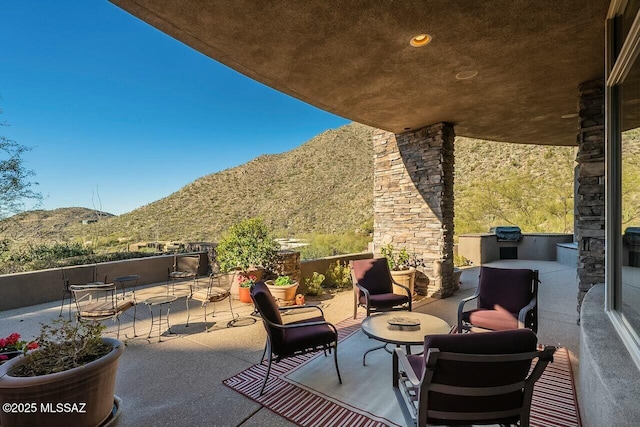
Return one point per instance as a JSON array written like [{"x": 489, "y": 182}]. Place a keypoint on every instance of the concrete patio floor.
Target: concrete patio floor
[{"x": 178, "y": 382}]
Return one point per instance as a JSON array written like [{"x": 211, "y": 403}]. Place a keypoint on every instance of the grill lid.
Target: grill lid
[
  {"x": 507, "y": 233},
  {"x": 632, "y": 235}
]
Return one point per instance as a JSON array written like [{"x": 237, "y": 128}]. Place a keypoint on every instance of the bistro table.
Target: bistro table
[
  {"x": 123, "y": 280},
  {"x": 160, "y": 301},
  {"x": 401, "y": 328}
]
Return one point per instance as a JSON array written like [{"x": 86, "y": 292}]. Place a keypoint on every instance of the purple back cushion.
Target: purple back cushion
[
  {"x": 268, "y": 308},
  {"x": 509, "y": 288},
  {"x": 485, "y": 374},
  {"x": 373, "y": 274}
]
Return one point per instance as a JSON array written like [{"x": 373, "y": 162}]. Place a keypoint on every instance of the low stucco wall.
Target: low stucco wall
[
  {"x": 609, "y": 378},
  {"x": 482, "y": 248},
  {"x": 36, "y": 287}
]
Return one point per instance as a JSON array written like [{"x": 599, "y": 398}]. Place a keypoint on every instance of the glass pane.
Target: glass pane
[
  {"x": 630, "y": 290},
  {"x": 629, "y": 15}
]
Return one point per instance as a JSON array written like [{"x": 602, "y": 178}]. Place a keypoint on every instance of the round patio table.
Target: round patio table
[
  {"x": 122, "y": 280},
  {"x": 160, "y": 301},
  {"x": 401, "y": 328}
]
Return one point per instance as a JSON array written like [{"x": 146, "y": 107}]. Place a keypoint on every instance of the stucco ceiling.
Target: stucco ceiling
[{"x": 353, "y": 58}]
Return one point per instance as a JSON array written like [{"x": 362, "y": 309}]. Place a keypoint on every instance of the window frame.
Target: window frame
[{"x": 620, "y": 56}]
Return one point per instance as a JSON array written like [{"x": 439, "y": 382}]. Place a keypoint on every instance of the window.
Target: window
[{"x": 623, "y": 178}]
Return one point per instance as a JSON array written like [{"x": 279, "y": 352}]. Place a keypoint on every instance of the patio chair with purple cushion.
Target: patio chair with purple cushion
[
  {"x": 470, "y": 378},
  {"x": 506, "y": 299},
  {"x": 294, "y": 338},
  {"x": 373, "y": 287}
]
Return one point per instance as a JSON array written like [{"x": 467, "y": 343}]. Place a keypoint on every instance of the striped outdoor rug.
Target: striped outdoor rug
[{"x": 554, "y": 402}]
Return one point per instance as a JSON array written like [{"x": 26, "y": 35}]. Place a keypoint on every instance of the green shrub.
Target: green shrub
[
  {"x": 247, "y": 244},
  {"x": 460, "y": 261},
  {"x": 339, "y": 275},
  {"x": 313, "y": 285},
  {"x": 398, "y": 259},
  {"x": 326, "y": 245}
]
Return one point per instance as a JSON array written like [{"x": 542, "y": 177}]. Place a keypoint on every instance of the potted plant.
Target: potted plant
[
  {"x": 244, "y": 287},
  {"x": 12, "y": 346},
  {"x": 69, "y": 380},
  {"x": 283, "y": 289},
  {"x": 247, "y": 247},
  {"x": 402, "y": 266}
]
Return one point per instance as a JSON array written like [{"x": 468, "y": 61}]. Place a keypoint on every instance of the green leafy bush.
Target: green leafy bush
[
  {"x": 247, "y": 244},
  {"x": 339, "y": 275},
  {"x": 313, "y": 285},
  {"x": 400, "y": 259}
]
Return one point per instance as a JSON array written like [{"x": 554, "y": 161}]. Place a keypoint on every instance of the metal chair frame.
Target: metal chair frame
[
  {"x": 211, "y": 297},
  {"x": 413, "y": 392},
  {"x": 103, "y": 299}
]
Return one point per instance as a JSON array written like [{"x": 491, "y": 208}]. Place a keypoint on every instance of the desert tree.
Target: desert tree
[{"x": 16, "y": 185}]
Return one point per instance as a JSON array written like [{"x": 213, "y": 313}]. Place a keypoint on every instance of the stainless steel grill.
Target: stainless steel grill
[{"x": 507, "y": 233}]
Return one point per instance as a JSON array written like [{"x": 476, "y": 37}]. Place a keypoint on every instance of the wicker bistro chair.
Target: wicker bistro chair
[
  {"x": 506, "y": 299},
  {"x": 210, "y": 294},
  {"x": 184, "y": 267},
  {"x": 98, "y": 302},
  {"x": 295, "y": 338},
  {"x": 470, "y": 378},
  {"x": 373, "y": 287}
]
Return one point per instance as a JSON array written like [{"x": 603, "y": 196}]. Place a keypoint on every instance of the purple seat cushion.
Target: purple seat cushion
[
  {"x": 296, "y": 339},
  {"x": 509, "y": 288},
  {"x": 373, "y": 274},
  {"x": 497, "y": 319},
  {"x": 385, "y": 300},
  {"x": 480, "y": 374}
]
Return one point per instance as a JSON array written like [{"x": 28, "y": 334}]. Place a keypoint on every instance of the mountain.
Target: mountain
[
  {"x": 326, "y": 186},
  {"x": 48, "y": 225}
]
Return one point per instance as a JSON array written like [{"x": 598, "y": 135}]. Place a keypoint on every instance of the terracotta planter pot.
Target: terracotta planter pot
[
  {"x": 235, "y": 287},
  {"x": 90, "y": 387},
  {"x": 406, "y": 278},
  {"x": 244, "y": 294},
  {"x": 284, "y": 295}
]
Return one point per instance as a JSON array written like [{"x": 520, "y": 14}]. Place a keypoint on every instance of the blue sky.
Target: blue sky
[{"x": 114, "y": 107}]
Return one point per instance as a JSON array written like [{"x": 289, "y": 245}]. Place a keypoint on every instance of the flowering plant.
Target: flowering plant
[
  {"x": 247, "y": 281},
  {"x": 400, "y": 259},
  {"x": 13, "y": 343}
]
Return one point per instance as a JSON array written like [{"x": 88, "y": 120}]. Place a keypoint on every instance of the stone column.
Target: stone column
[
  {"x": 590, "y": 182},
  {"x": 413, "y": 201}
]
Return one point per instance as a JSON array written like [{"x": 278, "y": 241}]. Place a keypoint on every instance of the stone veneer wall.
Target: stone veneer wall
[
  {"x": 288, "y": 264},
  {"x": 413, "y": 201},
  {"x": 590, "y": 182}
]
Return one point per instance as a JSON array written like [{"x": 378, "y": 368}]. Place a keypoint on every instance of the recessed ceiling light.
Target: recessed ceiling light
[
  {"x": 569, "y": 116},
  {"x": 420, "y": 40},
  {"x": 465, "y": 75}
]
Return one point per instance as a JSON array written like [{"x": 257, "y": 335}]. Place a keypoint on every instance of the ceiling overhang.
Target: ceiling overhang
[{"x": 354, "y": 58}]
